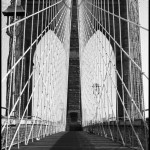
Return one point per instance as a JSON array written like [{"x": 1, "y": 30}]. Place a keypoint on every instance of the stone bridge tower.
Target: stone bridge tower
[
  {"x": 130, "y": 37},
  {"x": 74, "y": 91}
]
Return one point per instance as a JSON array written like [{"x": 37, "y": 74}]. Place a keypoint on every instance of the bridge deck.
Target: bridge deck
[{"x": 72, "y": 141}]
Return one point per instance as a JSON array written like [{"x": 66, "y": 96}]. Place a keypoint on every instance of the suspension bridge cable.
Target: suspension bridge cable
[
  {"x": 85, "y": 24},
  {"x": 60, "y": 20}
]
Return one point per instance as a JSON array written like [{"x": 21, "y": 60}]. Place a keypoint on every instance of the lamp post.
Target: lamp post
[
  {"x": 14, "y": 12},
  {"x": 96, "y": 91}
]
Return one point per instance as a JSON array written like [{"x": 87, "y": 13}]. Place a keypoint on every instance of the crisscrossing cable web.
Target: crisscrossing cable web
[
  {"x": 111, "y": 70},
  {"x": 37, "y": 70}
]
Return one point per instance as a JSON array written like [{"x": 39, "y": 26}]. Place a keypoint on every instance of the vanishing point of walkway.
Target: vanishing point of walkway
[{"x": 73, "y": 140}]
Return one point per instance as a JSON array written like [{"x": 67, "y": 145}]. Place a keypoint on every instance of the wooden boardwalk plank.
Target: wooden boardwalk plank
[{"x": 73, "y": 140}]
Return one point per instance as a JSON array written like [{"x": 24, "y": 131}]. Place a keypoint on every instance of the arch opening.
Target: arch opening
[
  {"x": 49, "y": 84},
  {"x": 98, "y": 80}
]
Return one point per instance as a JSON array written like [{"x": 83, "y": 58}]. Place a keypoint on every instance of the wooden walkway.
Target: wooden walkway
[{"x": 72, "y": 141}]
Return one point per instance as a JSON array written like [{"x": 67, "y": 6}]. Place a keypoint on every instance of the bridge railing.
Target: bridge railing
[
  {"x": 29, "y": 130},
  {"x": 36, "y": 79},
  {"x": 112, "y": 77},
  {"x": 110, "y": 130}
]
